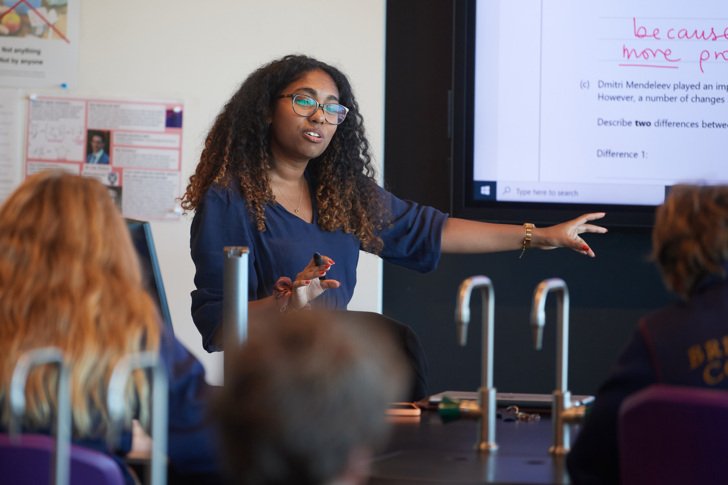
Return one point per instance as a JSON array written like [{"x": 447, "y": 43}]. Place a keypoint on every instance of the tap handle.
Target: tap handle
[
  {"x": 462, "y": 332},
  {"x": 537, "y": 333}
]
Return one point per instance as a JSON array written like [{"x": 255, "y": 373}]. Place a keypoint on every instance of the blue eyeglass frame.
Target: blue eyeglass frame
[{"x": 321, "y": 106}]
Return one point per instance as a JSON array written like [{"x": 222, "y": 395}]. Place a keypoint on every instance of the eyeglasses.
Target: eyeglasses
[{"x": 305, "y": 105}]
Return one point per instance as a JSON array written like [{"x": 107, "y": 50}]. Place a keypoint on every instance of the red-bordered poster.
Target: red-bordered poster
[{"x": 132, "y": 147}]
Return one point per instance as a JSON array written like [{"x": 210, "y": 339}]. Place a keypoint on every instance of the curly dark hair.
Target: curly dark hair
[
  {"x": 237, "y": 150},
  {"x": 690, "y": 237}
]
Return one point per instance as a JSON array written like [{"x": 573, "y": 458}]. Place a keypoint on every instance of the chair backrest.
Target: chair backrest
[
  {"x": 674, "y": 434},
  {"x": 410, "y": 344},
  {"x": 29, "y": 461},
  {"x": 141, "y": 236},
  {"x": 157, "y": 473}
]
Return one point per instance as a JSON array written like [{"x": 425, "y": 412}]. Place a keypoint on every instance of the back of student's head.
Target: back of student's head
[
  {"x": 690, "y": 237},
  {"x": 69, "y": 278},
  {"x": 306, "y": 399}
]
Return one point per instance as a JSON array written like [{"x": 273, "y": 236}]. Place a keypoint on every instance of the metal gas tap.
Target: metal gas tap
[
  {"x": 486, "y": 393},
  {"x": 561, "y": 396}
]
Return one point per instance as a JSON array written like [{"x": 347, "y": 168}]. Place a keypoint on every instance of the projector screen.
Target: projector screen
[{"x": 563, "y": 106}]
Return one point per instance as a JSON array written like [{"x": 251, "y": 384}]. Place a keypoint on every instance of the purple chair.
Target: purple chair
[
  {"x": 29, "y": 462},
  {"x": 673, "y": 435}
]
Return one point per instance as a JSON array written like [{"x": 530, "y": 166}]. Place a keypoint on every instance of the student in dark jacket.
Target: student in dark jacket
[{"x": 685, "y": 343}]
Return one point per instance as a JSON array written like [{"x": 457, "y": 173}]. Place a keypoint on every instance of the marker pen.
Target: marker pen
[{"x": 318, "y": 262}]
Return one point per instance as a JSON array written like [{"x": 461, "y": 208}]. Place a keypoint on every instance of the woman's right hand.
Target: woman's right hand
[{"x": 308, "y": 284}]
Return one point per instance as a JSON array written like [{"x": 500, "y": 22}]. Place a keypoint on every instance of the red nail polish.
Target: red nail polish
[
  {"x": 322, "y": 273},
  {"x": 585, "y": 248}
]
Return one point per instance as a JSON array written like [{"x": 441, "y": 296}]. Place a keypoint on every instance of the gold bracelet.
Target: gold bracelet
[{"x": 526, "y": 243}]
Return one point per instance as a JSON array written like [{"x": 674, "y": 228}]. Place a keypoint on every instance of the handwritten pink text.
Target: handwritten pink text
[{"x": 665, "y": 57}]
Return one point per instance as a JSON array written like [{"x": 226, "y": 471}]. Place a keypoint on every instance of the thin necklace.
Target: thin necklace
[
  {"x": 300, "y": 198},
  {"x": 302, "y": 189}
]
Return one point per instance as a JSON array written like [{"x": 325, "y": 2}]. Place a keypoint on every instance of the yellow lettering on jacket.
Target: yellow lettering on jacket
[
  {"x": 712, "y": 350},
  {"x": 713, "y": 374},
  {"x": 696, "y": 357}
]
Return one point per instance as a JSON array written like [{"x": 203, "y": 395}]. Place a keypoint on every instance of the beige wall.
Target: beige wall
[{"x": 199, "y": 53}]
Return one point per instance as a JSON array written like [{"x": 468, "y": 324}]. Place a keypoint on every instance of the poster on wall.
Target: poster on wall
[
  {"x": 132, "y": 147},
  {"x": 39, "y": 43},
  {"x": 9, "y": 141}
]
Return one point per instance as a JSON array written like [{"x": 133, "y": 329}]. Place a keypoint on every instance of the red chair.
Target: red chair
[
  {"x": 674, "y": 435},
  {"x": 28, "y": 461}
]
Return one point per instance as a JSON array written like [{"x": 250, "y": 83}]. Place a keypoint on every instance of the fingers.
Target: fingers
[
  {"x": 580, "y": 246},
  {"x": 299, "y": 282},
  {"x": 592, "y": 216},
  {"x": 582, "y": 225},
  {"x": 308, "y": 284},
  {"x": 325, "y": 265},
  {"x": 587, "y": 251},
  {"x": 324, "y": 284},
  {"x": 305, "y": 291},
  {"x": 593, "y": 228},
  {"x": 330, "y": 284},
  {"x": 588, "y": 228},
  {"x": 313, "y": 270}
]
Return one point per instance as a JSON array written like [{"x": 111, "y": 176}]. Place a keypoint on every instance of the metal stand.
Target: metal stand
[
  {"x": 561, "y": 396},
  {"x": 487, "y": 396},
  {"x": 235, "y": 294}
]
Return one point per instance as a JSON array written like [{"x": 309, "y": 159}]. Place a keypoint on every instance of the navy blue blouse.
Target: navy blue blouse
[{"x": 287, "y": 244}]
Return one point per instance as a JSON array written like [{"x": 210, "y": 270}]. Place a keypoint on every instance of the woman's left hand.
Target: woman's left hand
[{"x": 567, "y": 234}]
